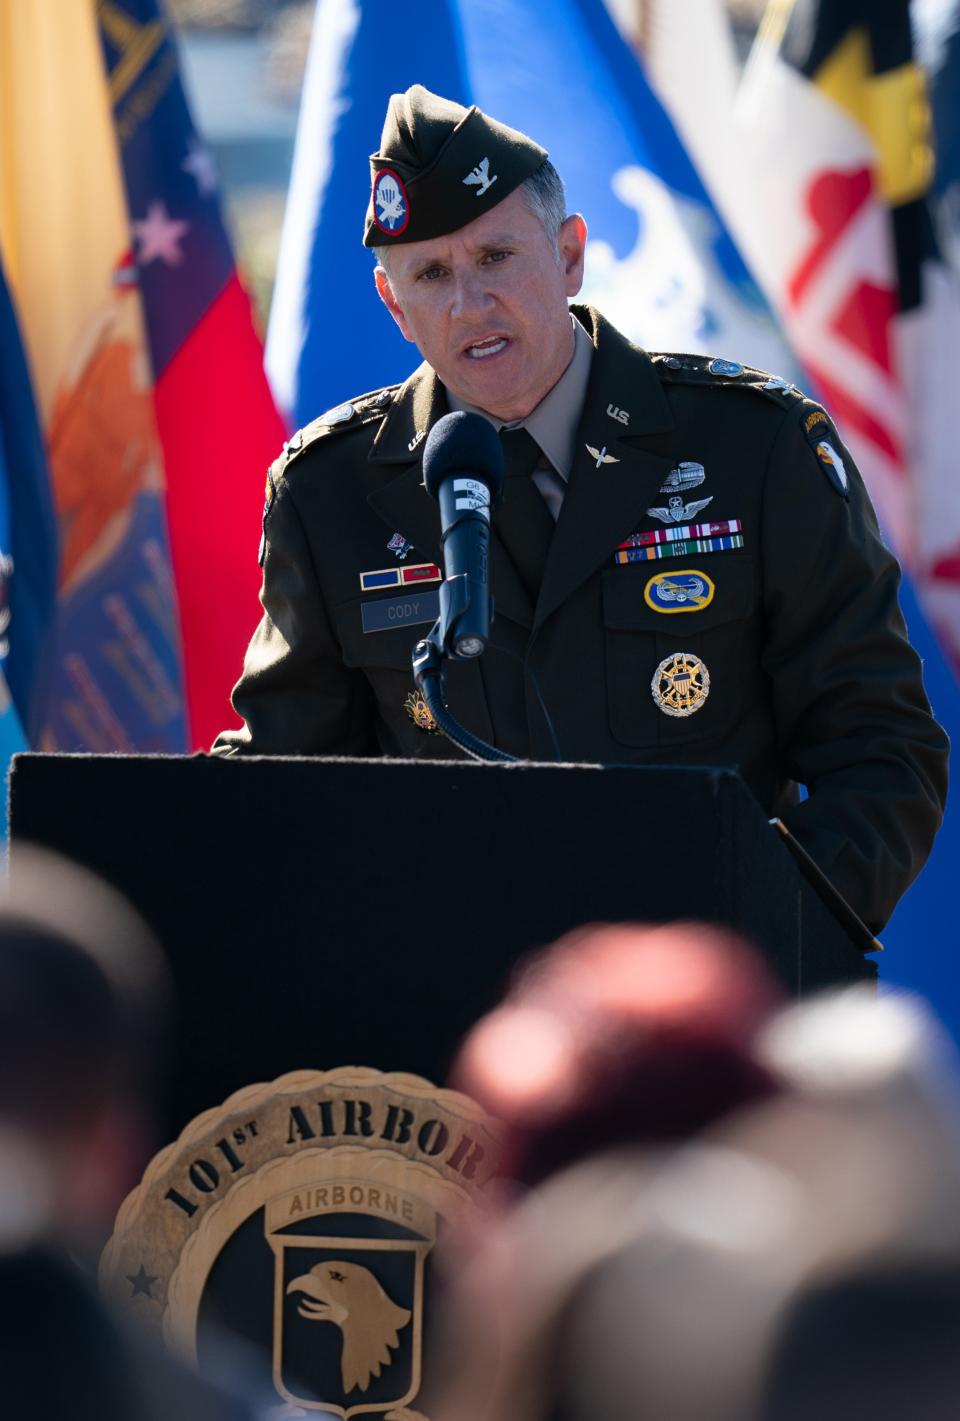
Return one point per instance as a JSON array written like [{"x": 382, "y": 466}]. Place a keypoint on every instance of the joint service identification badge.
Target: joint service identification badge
[
  {"x": 302, "y": 1215},
  {"x": 681, "y": 684}
]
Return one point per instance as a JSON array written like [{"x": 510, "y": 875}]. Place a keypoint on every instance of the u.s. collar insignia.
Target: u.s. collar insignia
[
  {"x": 680, "y": 684},
  {"x": 420, "y": 713},
  {"x": 314, "y": 1199},
  {"x": 686, "y": 590},
  {"x": 729, "y": 368}
]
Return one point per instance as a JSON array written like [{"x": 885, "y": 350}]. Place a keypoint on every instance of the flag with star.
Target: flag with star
[{"x": 156, "y": 414}]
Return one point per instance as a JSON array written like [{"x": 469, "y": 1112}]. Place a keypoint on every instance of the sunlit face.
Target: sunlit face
[{"x": 487, "y": 305}]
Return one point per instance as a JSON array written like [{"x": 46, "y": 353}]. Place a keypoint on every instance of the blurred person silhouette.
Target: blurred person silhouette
[
  {"x": 82, "y": 998},
  {"x": 797, "y": 1257},
  {"x": 616, "y": 1039},
  {"x": 619, "y": 1035},
  {"x": 802, "y": 1261}
]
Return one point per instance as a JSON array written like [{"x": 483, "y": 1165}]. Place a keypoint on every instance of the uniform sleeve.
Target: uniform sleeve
[
  {"x": 853, "y": 721},
  {"x": 296, "y": 697}
]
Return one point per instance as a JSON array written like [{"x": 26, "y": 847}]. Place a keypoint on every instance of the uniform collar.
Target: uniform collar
[
  {"x": 621, "y": 380},
  {"x": 553, "y": 423}
]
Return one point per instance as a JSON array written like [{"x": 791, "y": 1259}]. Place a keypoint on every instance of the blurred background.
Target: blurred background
[
  {"x": 244, "y": 63},
  {"x": 182, "y": 284}
]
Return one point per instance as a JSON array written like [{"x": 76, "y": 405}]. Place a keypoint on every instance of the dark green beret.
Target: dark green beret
[{"x": 440, "y": 166}]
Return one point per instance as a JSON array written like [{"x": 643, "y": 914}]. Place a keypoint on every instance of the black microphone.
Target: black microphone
[{"x": 463, "y": 470}]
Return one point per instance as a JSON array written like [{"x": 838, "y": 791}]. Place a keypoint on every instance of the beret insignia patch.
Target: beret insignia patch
[{"x": 391, "y": 206}]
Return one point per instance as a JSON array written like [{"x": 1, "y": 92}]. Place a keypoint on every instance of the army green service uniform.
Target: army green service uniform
[{"x": 791, "y": 612}]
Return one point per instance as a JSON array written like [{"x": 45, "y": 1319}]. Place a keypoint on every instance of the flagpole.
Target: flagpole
[{"x": 761, "y": 59}]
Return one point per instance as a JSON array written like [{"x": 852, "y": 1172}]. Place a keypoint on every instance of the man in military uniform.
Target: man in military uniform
[{"x": 686, "y": 566}]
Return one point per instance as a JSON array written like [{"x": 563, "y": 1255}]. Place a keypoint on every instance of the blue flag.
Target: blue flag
[
  {"x": 917, "y": 938},
  {"x": 661, "y": 264},
  {"x": 28, "y": 543}
]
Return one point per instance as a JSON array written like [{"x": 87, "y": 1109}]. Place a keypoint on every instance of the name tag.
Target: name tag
[{"x": 390, "y": 612}]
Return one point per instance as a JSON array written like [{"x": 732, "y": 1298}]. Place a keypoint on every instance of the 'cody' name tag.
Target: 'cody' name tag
[{"x": 387, "y": 613}]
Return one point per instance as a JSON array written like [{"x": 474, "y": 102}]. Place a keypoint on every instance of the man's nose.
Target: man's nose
[{"x": 471, "y": 295}]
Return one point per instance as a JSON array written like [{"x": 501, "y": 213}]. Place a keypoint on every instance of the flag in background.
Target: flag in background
[
  {"x": 156, "y": 415},
  {"x": 938, "y": 39},
  {"x": 826, "y": 175},
  {"x": 115, "y": 676},
  {"x": 821, "y": 170},
  {"x": 660, "y": 263},
  {"x": 28, "y": 544},
  {"x": 216, "y": 420}
]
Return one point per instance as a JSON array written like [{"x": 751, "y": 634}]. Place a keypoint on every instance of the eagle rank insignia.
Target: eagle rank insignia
[{"x": 681, "y": 684}]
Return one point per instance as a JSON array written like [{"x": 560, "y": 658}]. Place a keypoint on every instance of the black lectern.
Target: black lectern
[{"x": 326, "y": 912}]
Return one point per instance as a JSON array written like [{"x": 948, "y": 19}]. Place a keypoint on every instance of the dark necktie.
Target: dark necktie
[{"x": 523, "y": 520}]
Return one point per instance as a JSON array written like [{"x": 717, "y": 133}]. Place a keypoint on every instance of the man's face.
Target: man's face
[{"x": 487, "y": 305}]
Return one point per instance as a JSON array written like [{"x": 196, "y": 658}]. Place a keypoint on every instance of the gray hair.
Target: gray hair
[{"x": 544, "y": 195}]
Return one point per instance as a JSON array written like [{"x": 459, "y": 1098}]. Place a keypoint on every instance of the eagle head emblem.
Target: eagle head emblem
[{"x": 350, "y": 1296}]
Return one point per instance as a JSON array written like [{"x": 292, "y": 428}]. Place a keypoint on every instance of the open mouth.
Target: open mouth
[
  {"x": 307, "y": 1308},
  {"x": 484, "y": 349}
]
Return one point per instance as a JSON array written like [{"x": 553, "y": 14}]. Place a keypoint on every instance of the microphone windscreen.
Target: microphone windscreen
[{"x": 463, "y": 443}]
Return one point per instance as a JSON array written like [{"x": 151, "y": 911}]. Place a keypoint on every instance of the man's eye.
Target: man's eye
[
  {"x": 496, "y": 257},
  {"x": 431, "y": 273}
]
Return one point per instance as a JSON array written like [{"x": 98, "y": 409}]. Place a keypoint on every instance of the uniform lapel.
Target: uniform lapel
[
  {"x": 407, "y": 508},
  {"x": 604, "y": 502}
]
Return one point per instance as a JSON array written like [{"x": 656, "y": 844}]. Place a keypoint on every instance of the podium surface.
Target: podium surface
[{"x": 318, "y": 912}]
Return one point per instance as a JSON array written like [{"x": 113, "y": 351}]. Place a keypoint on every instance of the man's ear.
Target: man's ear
[
  {"x": 386, "y": 293},
  {"x": 572, "y": 241}
]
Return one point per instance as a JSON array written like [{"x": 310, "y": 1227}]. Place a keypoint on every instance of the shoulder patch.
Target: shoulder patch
[
  {"x": 820, "y": 434},
  {"x": 717, "y": 370}
]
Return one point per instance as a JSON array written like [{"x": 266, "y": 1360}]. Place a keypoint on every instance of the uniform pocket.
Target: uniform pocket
[{"x": 704, "y": 608}]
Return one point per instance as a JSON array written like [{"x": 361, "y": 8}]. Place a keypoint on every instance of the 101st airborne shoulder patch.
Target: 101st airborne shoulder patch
[{"x": 303, "y": 1215}]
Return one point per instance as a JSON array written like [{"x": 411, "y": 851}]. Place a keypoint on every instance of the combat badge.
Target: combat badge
[
  {"x": 303, "y": 1215},
  {"x": 680, "y": 684},
  {"x": 686, "y": 590},
  {"x": 688, "y": 474},
  {"x": 420, "y": 713}
]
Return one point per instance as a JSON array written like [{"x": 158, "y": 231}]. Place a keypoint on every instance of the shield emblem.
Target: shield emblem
[{"x": 348, "y": 1298}]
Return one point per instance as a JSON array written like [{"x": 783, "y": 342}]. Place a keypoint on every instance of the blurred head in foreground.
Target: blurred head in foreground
[
  {"x": 81, "y": 990},
  {"x": 619, "y": 1036},
  {"x": 801, "y": 1258}
]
